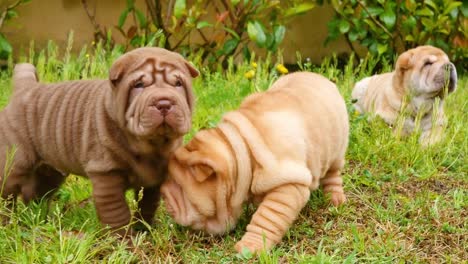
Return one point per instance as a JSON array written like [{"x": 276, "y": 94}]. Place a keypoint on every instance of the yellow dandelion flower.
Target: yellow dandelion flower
[
  {"x": 87, "y": 55},
  {"x": 356, "y": 113},
  {"x": 280, "y": 68},
  {"x": 93, "y": 43},
  {"x": 250, "y": 74},
  {"x": 254, "y": 64}
]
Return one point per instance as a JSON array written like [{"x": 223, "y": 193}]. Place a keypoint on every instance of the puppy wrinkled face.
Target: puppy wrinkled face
[
  {"x": 154, "y": 89},
  {"x": 196, "y": 193},
  {"x": 433, "y": 74},
  {"x": 157, "y": 101}
]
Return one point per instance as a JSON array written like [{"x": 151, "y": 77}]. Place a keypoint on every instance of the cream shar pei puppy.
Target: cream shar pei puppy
[
  {"x": 421, "y": 75},
  {"x": 277, "y": 147},
  {"x": 118, "y": 132}
]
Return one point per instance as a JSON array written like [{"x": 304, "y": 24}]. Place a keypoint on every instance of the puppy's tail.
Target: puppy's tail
[{"x": 24, "y": 75}]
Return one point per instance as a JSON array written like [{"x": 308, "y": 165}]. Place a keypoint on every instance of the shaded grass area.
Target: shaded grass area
[{"x": 405, "y": 203}]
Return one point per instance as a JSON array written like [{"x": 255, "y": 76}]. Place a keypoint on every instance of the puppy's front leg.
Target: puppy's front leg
[
  {"x": 432, "y": 130},
  {"x": 109, "y": 198},
  {"x": 432, "y": 136},
  {"x": 274, "y": 216}
]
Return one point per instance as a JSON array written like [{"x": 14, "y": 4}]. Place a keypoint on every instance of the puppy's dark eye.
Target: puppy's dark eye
[
  {"x": 139, "y": 84},
  {"x": 178, "y": 83}
]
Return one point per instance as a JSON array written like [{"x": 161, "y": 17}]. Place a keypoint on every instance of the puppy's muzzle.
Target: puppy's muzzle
[
  {"x": 169, "y": 191},
  {"x": 445, "y": 81},
  {"x": 164, "y": 106},
  {"x": 452, "y": 81}
]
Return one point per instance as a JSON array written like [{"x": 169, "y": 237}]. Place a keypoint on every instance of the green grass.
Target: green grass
[{"x": 406, "y": 203}]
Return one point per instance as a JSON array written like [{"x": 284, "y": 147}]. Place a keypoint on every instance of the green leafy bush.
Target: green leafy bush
[
  {"x": 7, "y": 12},
  {"x": 387, "y": 28},
  {"x": 215, "y": 29}
]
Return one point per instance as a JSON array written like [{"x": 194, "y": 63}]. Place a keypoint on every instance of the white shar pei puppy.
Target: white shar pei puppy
[{"x": 416, "y": 90}]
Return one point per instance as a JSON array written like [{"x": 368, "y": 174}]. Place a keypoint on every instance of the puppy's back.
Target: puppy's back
[
  {"x": 302, "y": 116},
  {"x": 369, "y": 92},
  {"x": 54, "y": 119}
]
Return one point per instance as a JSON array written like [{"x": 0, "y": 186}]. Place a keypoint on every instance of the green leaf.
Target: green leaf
[
  {"x": 431, "y": 4},
  {"x": 349, "y": 10},
  {"x": 411, "y": 6},
  {"x": 353, "y": 35},
  {"x": 256, "y": 33},
  {"x": 371, "y": 24},
  {"x": 299, "y": 9},
  {"x": 122, "y": 18},
  {"x": 141, "y": 18},
  {"x": 367, "y": 42},
  {"x": 203, "y": 24},
  {"x": 179, "y": 8},
  {"x": 130, "y": 4},
  {"x": 382, "y": 48},
  {"x": 409, "y": 38},
  {"x": 464, "y": 9},
  {"x": 279, "y": 32},
  {"x": 428, "y": 23},
  {"x": 137, "y": 41},
  {"x": 373, "y": 47},
  {"x": 270, "y": 42},
  {"x": 235, "y": 2},
  {"x": 424, "y": 12},
  {"x": 246, "y": 53},
  {"x": 5, "y": 46},
  {"x": 333, "y": 31},
  {"x": 362, "y": 31},
  {"x": 11, "y": 14},
  {"x": 230, "y": 46},
  {"x": 389, "y": 18},
  {"x": 443, "y": 31},
  {"x": 344, "y": 26},
  {"x": 451, "y": 7},
  {"x": 409, "y": 23},
  {"x": 232, "y": 32},
  {"x": 374, "y": 11},
  {"x": 25, "y": 1}
]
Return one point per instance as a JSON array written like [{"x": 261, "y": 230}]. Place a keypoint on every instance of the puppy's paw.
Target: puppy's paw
[
  {"x": 253, "y": 247},
  {"x": 253, "y": 242},
  {"x": 337, "y": 198}
]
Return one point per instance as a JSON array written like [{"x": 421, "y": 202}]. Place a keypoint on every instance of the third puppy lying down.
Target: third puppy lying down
[
  {"x": 277, "y": 147},
  {"x": 421, "y": 75}
]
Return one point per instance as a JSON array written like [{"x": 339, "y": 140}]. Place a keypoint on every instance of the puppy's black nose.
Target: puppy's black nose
[
  {"x": 452, "y": 72},
  {"x": 164, "y": 106}
]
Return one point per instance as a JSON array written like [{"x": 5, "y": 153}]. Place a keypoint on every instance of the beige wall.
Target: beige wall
[{"x": 41, "y": 20}]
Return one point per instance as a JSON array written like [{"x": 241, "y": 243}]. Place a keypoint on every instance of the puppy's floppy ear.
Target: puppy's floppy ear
[
  {"x": 199, "y": 167},
  {"x": 189, "y": 92},
  {"x": 116, "y": 72},
  {"x": 404, "y": 61},
  {"x": 193, "y": 72}
]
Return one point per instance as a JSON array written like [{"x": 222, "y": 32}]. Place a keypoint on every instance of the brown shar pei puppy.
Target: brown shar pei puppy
[
  {"x": 277, "y": 147},
  {"x": 421, "y": 75},
  {"x": 118, "y": 132}
]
